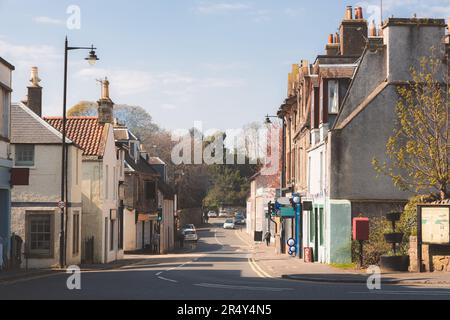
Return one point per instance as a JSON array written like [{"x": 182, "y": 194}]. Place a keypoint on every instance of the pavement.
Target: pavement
[
  {"x": 292, "y": 268},
  {"x": 223, "y": 266}
]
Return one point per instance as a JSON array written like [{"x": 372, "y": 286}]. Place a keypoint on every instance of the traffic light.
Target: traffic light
[
  {"x": 160, "y": 214},
  {"x": 271, "y": 209}
]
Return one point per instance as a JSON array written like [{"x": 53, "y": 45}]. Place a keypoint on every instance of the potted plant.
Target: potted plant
[{"x": 395, "y": 260}]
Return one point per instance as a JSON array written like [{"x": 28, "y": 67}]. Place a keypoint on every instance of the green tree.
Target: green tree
[{"x": 418, "y": 151}]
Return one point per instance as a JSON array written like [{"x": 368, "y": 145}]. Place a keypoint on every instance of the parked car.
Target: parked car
[
  {"x": 189, "y": 227},
  {"x": 190, "y": 235},
  {"x": 223, "y": 214},
  {"x": 212, "y": 214},
  {"x": 239, "y": 221},
  {"x": 229, "y": 224}
]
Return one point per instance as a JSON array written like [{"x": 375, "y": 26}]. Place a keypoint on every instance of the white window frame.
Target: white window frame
[
  {"x": 24, "y": 163},
  {"x": 333, "y": 103}
]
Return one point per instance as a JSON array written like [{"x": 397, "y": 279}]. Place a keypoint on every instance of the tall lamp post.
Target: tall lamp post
[{"x": 91, "y": 59}]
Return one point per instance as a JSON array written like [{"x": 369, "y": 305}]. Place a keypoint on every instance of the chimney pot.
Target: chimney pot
[
  {"x": 359, "y": 13},
  {"x": 372, "y": 29},
  {"x": 330, "y": 39},
  {"x": 349, "y": 13}
]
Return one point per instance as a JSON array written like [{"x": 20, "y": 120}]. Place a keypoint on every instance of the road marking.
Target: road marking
[
  {"x": 422, "y": 293},
  {"x": 259, "y": 271},
  {"x": 169, "y": 280},
  {"x": 217, "y": 240},
  {"x": 231, "y": 287},
  {"x": 242, "y": 239}
]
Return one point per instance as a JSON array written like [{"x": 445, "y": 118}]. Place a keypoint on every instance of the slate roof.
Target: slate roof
[
  {"x": 28, "y": 128},
  {"x": 86, "y": 132}
]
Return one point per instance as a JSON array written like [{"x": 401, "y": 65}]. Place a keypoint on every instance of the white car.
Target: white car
[
  {"x": 190, "y": 235},
  {"x": 212, "y": 214},
  {"x": 229, "y": 224}
]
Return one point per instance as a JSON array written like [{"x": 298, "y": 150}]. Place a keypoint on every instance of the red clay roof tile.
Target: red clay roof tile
[{"x": 85, "y": 132}]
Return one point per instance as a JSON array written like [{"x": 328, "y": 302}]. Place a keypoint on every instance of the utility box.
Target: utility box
[{"x": 361, "y": 229}]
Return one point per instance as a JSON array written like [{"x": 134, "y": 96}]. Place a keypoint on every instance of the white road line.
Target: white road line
[
  {"x": 231, "y": 287},
  {"x": 169, "y": 280},
  {"x": 422, "y": 293},
  {"x": 217, "y": 240}
]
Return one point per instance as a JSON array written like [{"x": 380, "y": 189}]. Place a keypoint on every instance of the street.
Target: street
[{"x": 218, "y": 268}]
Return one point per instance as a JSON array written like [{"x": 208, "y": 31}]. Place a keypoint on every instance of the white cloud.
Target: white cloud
[
  {"x": 26, "y": 56},
  {"x": 215, "y": 8},
  {"x": 406, "y": 8},
  {"x": 47, "y": 20}
]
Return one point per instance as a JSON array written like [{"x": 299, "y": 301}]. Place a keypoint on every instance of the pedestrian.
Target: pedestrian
[
  {"x": 181, "y": 239},
  {"x": 268, "y": 238},
  {"x": 155, "y": 242}
]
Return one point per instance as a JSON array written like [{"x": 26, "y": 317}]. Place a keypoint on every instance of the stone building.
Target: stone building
[{"x": 5, "y": 159}]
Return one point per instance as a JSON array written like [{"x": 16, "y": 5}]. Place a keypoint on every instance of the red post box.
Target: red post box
[{"x": 361, "y": 229}]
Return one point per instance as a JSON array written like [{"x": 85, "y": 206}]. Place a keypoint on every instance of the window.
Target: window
[
  {"x": 25, "y": 155},
  {"x": 333, "y": 96},
  {"x": 322, "y": 226},
  {"x": 321, "y": 172},
  {"x": 40, "y": 235},
  {"x": 77, "y": 167},
  {"x": 106, "y": 182},
  {"x": 5, "y": 103},
  {"x": 149, "y": 190},
  {"x": 115, "y": 183},
  {"x": 76, "y": 234},
  {"x": 111, "y": 232}
]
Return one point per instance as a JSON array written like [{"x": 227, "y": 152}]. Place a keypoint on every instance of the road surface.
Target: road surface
[{"x": 218, "y": 268}]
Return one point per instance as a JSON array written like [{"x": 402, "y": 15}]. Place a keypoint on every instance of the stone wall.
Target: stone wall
[{"x": 436, "y": 258}]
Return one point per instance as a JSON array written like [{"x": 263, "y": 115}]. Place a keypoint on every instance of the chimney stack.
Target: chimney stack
[
  {"x": 353, "y": 33},
  {"x": 349, "y": 13},
  {"x": 34, "y": 97},
  {"x": 105, "y": 104}
]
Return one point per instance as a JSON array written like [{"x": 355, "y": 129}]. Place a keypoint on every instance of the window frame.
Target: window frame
[
  {"x": 36, "y": 253},
  {"x": 24, "y": 163},
  {"x": 76, "y": 233},
  {"x": 335, "y": 109}
]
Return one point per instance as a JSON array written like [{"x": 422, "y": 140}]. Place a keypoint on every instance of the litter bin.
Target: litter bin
[
  {"x": 258, "y": 236},
  {"x": 309, "y": 255}
]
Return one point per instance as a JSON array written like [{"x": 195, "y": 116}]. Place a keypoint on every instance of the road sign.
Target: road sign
[{"x": 61, "y": 205}]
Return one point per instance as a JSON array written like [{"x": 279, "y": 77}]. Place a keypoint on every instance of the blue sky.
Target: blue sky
[{"x": 221, "y": 62}]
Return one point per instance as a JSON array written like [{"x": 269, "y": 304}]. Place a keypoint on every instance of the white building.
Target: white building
[
  {"x": 102, "y": 174},
  {"x": 5, "y": 159},
  {"x": 35, "y": 217}
]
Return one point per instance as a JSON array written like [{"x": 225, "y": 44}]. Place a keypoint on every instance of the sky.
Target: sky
[{"x": 224, "y": 63}]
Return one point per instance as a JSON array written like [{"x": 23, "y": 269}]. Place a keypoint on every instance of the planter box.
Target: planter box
[
  {"x": 394, "y": 264},
  {"x": 392, "y": 238},
  {"x": 393, "y": 216}
]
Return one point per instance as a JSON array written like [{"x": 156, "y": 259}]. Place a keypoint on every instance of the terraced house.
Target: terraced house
[
  {"x": 102, "y": 175},
  {"x": 35, "y": 217}
]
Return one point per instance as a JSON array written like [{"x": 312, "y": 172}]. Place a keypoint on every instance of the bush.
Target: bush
[{"x": 377, "y": 246}]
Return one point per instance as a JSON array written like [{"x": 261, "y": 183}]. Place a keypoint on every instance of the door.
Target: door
[{"x": 106, "y": 242}]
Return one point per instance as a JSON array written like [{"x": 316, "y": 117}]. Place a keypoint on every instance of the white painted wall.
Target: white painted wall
[
  {"x": 44, "y": 187},
  {"x": 100, "y": 196}
]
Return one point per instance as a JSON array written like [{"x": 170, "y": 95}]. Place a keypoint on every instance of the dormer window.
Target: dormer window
[{"x": 333, "y": 97}]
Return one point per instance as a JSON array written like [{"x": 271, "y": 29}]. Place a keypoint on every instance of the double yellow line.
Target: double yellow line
[
  {"x": 252, "y": 262},
  {"x": 258, "y": 270}
]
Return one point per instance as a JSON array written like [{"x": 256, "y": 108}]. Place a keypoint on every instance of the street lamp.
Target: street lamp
[
  {"x": 268, "y": 121},
  {"x": 91, "y": 59}
]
